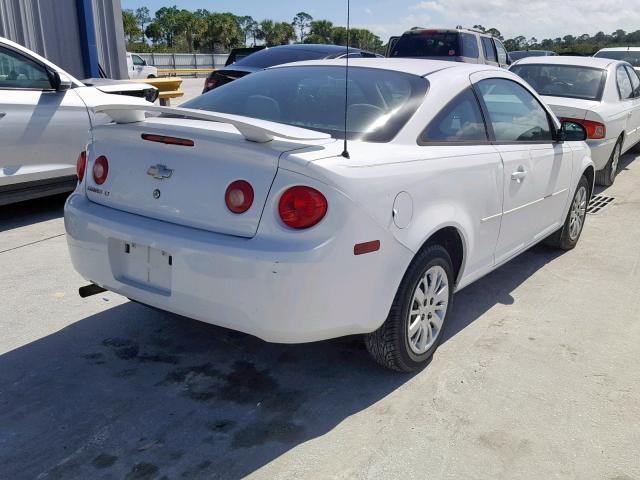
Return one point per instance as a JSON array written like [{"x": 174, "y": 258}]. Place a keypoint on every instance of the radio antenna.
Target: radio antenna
[{"x": 345, "y": 152}]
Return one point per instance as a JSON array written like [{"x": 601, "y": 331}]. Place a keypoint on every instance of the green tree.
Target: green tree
[
  {"x": 321, "y": 32},
  {"x": 223, "y": 32},
  {"x": 143, "y": 17},
  {"x": 248, "y": 26},
  {"x": 154, "y": 33},
  {"x": 284, "y": 33},
  {"x": 130, "y": 25},
  {"x": 302, "y": 21}
]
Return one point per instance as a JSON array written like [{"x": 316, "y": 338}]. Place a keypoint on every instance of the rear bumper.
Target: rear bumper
[
  {"x": 601, "y": 151},
  {"x": 281, "y": 293}
]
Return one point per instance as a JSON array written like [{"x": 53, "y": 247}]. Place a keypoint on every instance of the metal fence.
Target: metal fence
[{"x": 185, "y": 61}]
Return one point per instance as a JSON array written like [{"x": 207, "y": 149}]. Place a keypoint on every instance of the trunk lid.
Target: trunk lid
[
  {"x": 184, "y": 185},
  {"x": 570, "y": 107}
]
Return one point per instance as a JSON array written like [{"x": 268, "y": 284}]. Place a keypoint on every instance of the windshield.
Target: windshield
[
  {"x": 563, "y": 80},
  {"x": 633, "y": 57},
  {"x": 427, "y": 44},
  {"x": 379, "y": 101},
  {"x": 279, "y": 55}
]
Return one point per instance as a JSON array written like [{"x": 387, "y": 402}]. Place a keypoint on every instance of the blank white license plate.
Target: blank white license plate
[{"x": 141, "y": 265}]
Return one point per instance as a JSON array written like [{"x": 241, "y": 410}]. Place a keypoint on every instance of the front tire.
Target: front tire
[
  {"x": 414, "y": 328},
  {"x": 607, "y": 175},
  {"x": 567, "y": 237}
]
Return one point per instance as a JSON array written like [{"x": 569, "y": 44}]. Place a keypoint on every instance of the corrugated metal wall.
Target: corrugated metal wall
[{"x": 51, "y": 28}]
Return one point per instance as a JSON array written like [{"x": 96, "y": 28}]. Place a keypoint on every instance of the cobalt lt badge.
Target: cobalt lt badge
[{"x": 156, "y": 194}]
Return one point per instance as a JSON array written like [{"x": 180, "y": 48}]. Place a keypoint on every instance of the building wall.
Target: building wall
[{"x": 52, "y": 29}]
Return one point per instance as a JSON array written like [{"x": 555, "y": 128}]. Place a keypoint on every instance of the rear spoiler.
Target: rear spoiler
[{"x": 252, "y": 129}]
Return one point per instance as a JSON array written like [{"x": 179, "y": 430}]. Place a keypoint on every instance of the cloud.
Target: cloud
[{"x": 539, "y": 18}]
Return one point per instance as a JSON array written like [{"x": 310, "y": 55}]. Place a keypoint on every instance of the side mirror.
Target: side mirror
[
  {"x": 572, "y": 132},
  {"x": 144, "y": 63},
  {"x": 61, "y": 82}
]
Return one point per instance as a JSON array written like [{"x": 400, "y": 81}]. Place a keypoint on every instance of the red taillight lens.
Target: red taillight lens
[
  {"x": 210, "y": 83},
  {"x": 100, "y": 170},
  {"x": 239, "y": 196},
  {"x": 81, "y": 166},
  {"x": 595, "y": 130},
  {"x": 302, "y": 207}
]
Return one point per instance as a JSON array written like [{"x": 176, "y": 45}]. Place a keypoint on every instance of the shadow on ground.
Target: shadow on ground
[
  {"x": 22, "y": 214},
  {"x": 139, "y": 394}
]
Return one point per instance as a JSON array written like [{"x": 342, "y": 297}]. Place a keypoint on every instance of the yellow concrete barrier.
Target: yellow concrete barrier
[
  {"x": 184, "y": 71},
  {"x": 169, "y": 88}
]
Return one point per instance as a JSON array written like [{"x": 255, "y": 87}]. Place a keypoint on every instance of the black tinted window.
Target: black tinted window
[
  {"x": 460, "y": 121},
  {"x": 563, "y": 80},
  {"x": 17, "y": 71},
  {"x": 427, "y": 44},
  {"x": 279, "y": 55},
  {"x": 487, "y": 48},
  {"x": 635, "y": 80},
  {"x": 515, "y": 114},
  {"x": 380, "y": 101},
  {"x": 624, "y": 83},
  {"x": 469, "y": 45},
  {"x": 633, "y": 57}
]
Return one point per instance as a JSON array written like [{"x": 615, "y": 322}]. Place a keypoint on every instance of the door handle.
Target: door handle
[{"x": 519, "y": 175}]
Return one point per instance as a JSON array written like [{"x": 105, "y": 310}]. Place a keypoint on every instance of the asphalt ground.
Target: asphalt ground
[{"x": 538, "y": 376}]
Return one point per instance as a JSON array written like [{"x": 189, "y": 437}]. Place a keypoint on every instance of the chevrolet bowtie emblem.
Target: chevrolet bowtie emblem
[{"x": 159, "y": 171}]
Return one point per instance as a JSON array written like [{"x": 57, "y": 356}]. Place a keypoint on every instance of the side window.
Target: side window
[
  {"x": 137, "y": 60},
  {"x": 624, "y": 83},
  {"x": 635, "y": 80},
  {"x": 469, "y": 46},
  {"x": 17, "y": 71},
  {"x": 460, "y": 121},
  {"x": 514, "y": 113},
  {"x": 502, "y": 53},
  {"x": 487, "y": 48}
]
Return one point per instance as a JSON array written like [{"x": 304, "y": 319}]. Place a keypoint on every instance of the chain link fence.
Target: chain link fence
[{"x": 185, "y": 61}]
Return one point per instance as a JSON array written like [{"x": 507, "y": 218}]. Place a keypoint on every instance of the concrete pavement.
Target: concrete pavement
[{"x": 538, "y": 377}]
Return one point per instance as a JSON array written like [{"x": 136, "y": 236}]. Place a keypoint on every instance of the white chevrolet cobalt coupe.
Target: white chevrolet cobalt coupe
[{"x": 243, "y": 209}]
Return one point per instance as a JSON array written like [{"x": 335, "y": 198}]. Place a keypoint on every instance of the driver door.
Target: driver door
[{"x": 537, "y": 169}]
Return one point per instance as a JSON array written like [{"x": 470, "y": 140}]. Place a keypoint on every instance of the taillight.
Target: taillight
[
  {"x": 239, "y": 196},
  {"x": 100, "y": 170},
  {"x": 210, "y": 83},
  {"x": 81, "y": 166},
  {"x": 302, "y": 207},
  {"x": 595, "y": 130}
]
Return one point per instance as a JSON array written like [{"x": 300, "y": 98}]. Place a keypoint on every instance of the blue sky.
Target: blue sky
[{"x": 532, "y": 18}]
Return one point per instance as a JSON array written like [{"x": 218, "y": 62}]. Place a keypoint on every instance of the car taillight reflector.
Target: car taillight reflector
[
  {"x": 239, "y": 196},
  {"x": 210, "y": 83},
  {"x": 367, "y": 247},
  {"x": 595, "y": 130},
  {"x": 81, "y": 165},
  {"x": 302, "y": 207},
  {"x": 185, "y": 142},
  {"x": 100, "y": 170}
]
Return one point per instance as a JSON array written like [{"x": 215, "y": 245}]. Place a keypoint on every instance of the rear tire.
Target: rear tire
[
  {"x": 567, "y": 237},
  {"x": 607, "y": 175},
  {"x": 414, "y": 328}
]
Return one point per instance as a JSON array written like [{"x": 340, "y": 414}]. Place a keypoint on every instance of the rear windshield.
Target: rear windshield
[
  {"x": 563, "y": 80},
  {"x": 625, "y": 55},
  {"x": 379, "y": 101},
  {"x": 524, "y": 54},
  {"x": 427, "y": 44},
  {"x": 277, "y": 56}
]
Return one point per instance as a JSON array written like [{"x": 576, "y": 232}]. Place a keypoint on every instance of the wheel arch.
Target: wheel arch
[{"x": 452, "y": 238}]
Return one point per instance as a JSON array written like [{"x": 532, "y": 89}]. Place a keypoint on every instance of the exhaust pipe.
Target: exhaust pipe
[{"x": 91, "y": 289}]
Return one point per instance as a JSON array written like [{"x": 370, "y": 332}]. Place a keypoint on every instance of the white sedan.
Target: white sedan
[
  {"x": 245, "y": 210},
  {"x": 600, "y": 93},
  {"x": 45, "y": 119}
]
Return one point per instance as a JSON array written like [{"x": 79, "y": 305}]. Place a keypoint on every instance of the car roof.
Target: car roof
[
  {"x": 619, "y": 49},
  {"x": 417, "y": 30},
  {"x": 414, "y": 66},
  {"x": 594, "y": 62}
]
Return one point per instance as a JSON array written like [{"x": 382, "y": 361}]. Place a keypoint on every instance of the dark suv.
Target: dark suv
[{"x": 457, "y": 45}]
